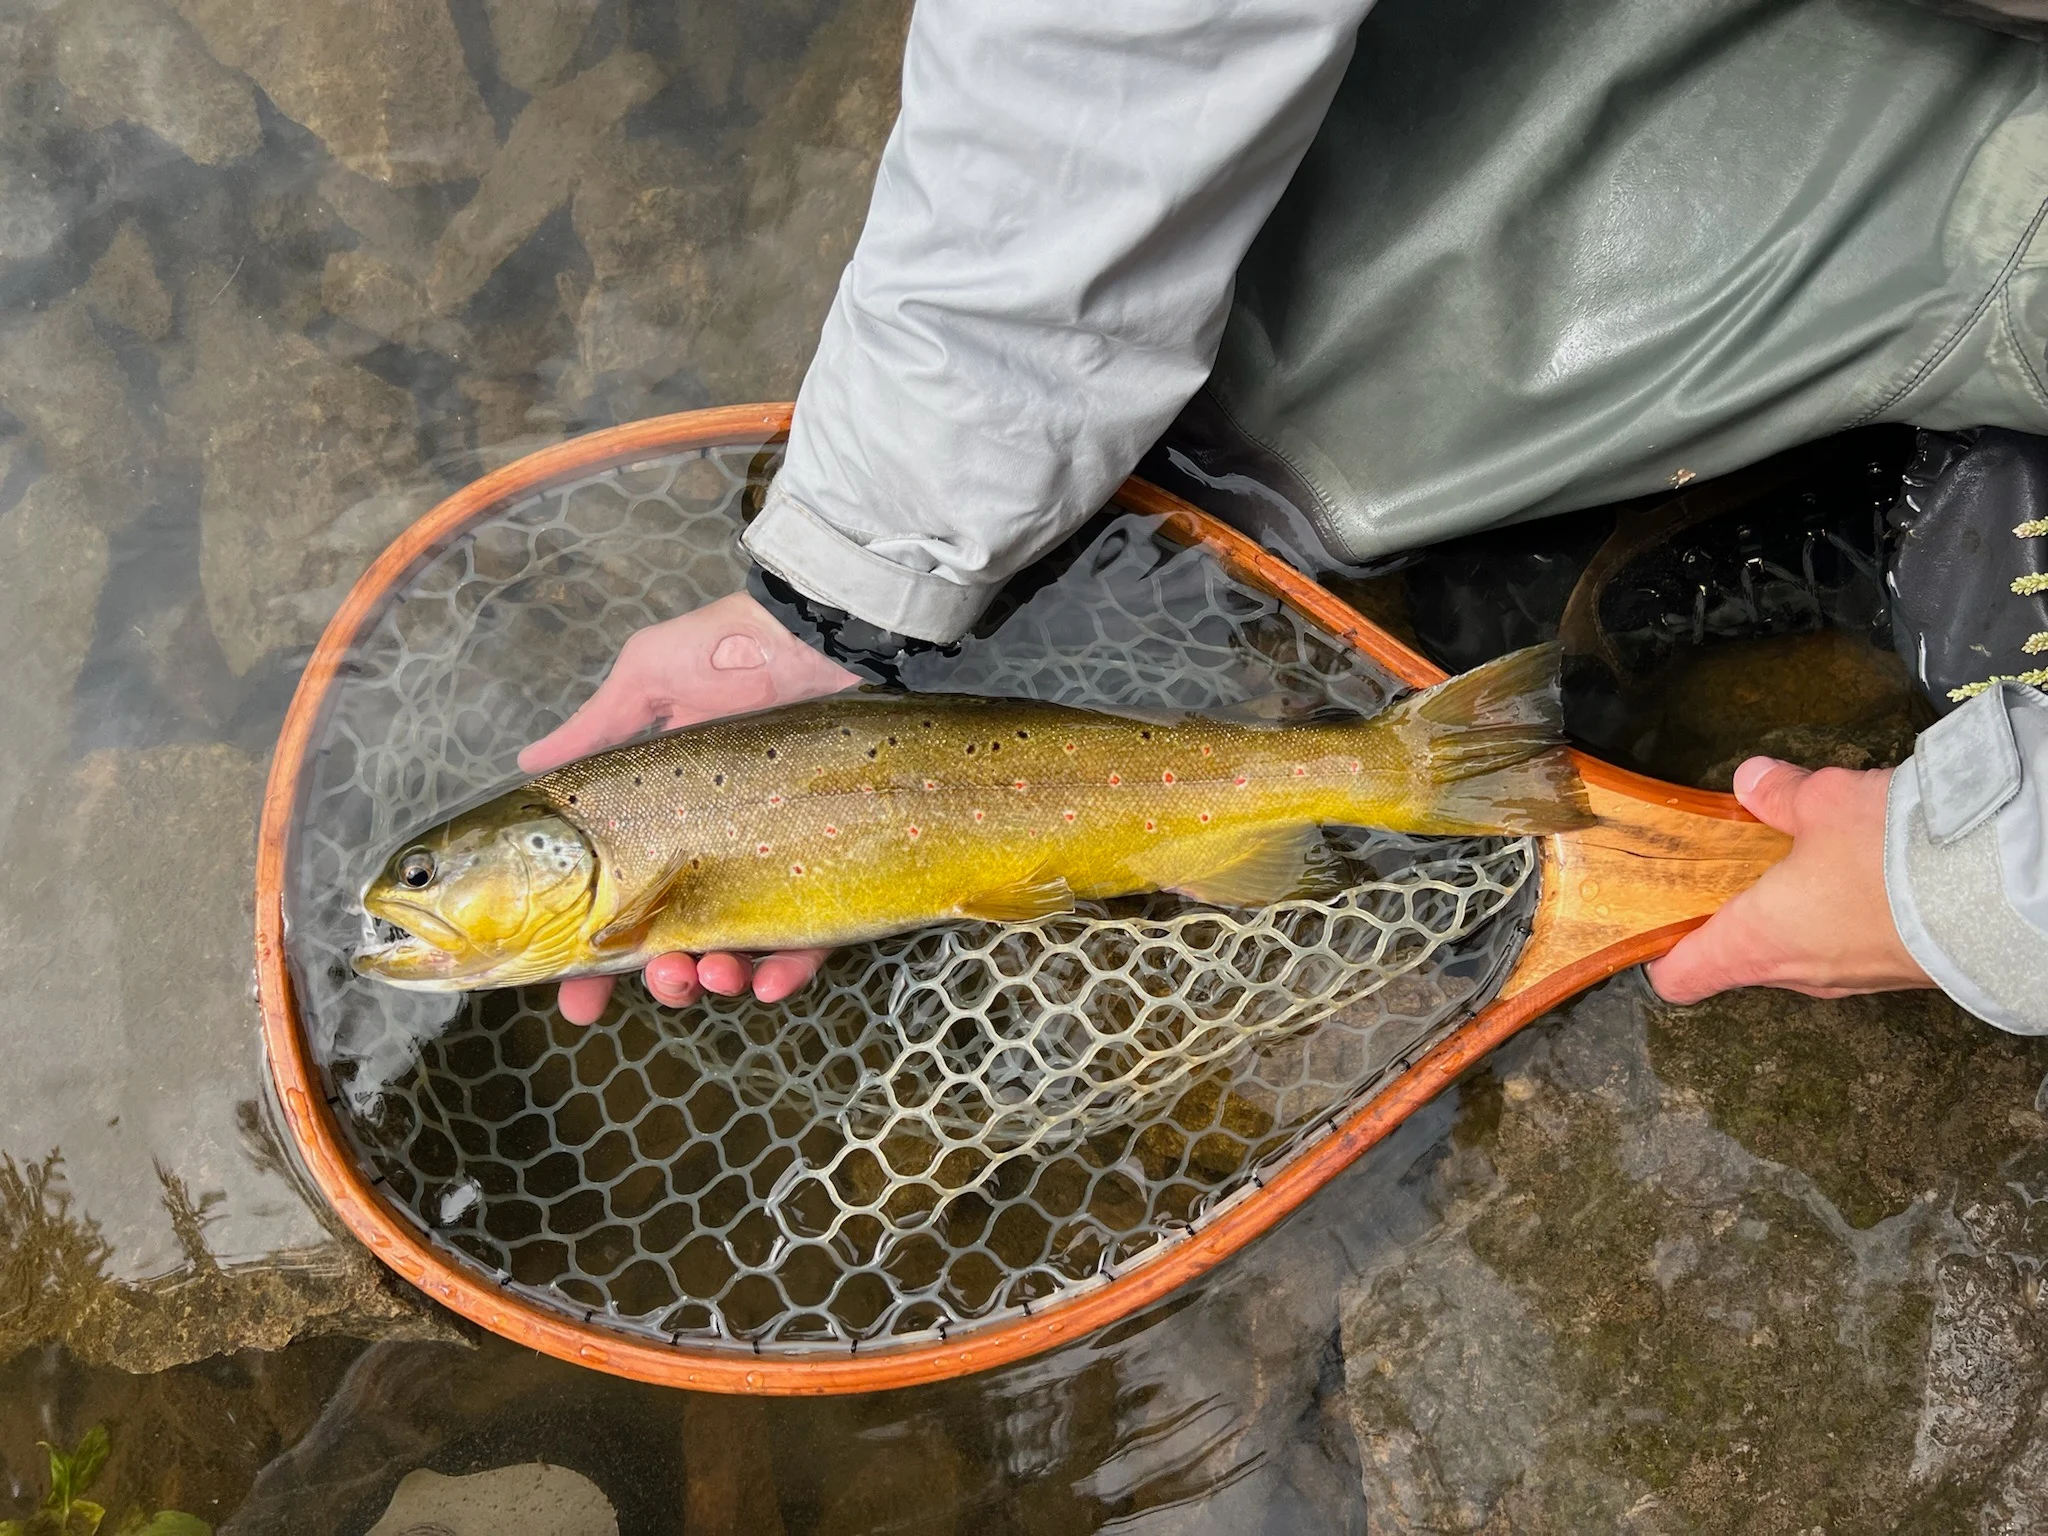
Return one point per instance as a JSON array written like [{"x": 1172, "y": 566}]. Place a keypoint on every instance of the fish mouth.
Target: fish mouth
[{"x": 408, "y": 947}]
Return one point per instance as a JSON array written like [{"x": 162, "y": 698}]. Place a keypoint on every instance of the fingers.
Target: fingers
[
  {"x": 783, "y": 975},
  {"x": 582, "y": 1000},
  {"x": 678, "y": 980},
  {"x": 672, "y": 980},
  {"x": 727, "y": 975},
  {"x": 1769, "y": 790}
]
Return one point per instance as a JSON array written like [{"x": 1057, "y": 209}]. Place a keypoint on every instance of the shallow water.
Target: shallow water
[{"x": 265, "y": 293}]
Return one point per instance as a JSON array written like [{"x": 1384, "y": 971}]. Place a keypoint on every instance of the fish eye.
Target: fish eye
[{"x": 416, "y": 869}]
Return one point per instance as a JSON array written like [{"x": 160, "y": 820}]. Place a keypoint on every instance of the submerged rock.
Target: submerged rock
[
  {"x": 51, "y": 532},
  {"x": 531, "y": 1496},
  {"x": 124, "y": 289},
  {"x": 648, "y": 216},
  {"x": 398, "y": 228},
  {"x": 1680, "y": 1280},
  {"x": 382, "y": 83},
  {"x": 1461, "y": 1411},
  {"x": 31, "y": 220},
  {"x": 128, "y": 939},
  {"x": 711, "y": 35},
  {"x": 134, "y": 61},
  {"x": 730, "y": 293},
  {"x": 59, "y": 376},
  {"x": 813, "y": 159},
  {"x": 536, "y": 39},
  {"x": 306, "y": 460},
  {"x": 550, "y": 147},
  {"x": 388, "y": 302}
]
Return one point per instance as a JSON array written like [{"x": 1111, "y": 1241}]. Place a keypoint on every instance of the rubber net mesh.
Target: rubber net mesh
[{"x": 949, "y": 1127}]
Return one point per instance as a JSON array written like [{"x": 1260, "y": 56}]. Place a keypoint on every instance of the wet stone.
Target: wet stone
[
  {"x": 50, "y": 531},
  {"x": 124, "y": 289},
  {"x": 398, "y": 228},
  {"x": 509, "y": 416},
  {"x": 305, "y": 461},
  {"x": 135, "y": 61},
  {"x": 1641, "y": 1303},
  {"x": 387, "y": 302},
  {"x": 385, "y": 86},
  {"x": 546, "y": 152},
  {"x": 708, "y": 60},
  {"x": 31, "y": 220},
  {"x": 533, "y": 1496},
  {"x": 813, "y": 159},
  {"x": 1819, "y": 700},
  {"x": 536, "y": 39},
  {"x": 132, "y": 1197},
  {"x": 64, "y": 382}
]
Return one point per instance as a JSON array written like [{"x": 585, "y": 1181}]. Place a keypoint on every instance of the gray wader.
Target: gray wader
[{"x": 1546, "y": 256}]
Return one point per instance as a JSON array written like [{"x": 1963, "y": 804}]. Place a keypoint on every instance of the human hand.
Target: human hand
[
  {"x": 726, "y": 658},
  {"x": 1818, "y": 921}
]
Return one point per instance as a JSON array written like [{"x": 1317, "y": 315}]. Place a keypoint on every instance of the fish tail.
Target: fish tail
[{"x": 1486, "y": 751}]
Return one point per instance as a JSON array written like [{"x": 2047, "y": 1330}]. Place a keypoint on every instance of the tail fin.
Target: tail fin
[{"x": 1487, "y": 750}]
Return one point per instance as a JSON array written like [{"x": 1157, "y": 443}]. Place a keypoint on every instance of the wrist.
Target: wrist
[{"x": 875, "y": 654}]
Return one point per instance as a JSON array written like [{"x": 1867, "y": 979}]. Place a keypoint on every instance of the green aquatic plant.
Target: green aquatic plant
[{"x": 66, "y": 1511}]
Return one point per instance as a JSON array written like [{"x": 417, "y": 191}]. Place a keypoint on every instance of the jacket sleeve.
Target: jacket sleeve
[
  {"x": 1966, "y": 856},
  {"x": 1040, "y": 285}
]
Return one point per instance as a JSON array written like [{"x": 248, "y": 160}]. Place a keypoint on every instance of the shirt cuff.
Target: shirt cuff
[
  {"x": 1949, "y": 888},
  {"x": 830, "y": 567}
]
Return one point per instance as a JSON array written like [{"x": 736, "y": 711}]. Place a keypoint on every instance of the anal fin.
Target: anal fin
[
  {"x": 1260, "y": 868},
  {"x": 1031, "y": 898}
]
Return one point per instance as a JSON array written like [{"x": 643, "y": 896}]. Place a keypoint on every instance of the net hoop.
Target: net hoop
[{"x": 1623, "y": 892}]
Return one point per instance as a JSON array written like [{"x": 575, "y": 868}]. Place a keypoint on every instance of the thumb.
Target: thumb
[
  {"x": 1768, "y": 789},
  {"x": 1719, "y": 954}
]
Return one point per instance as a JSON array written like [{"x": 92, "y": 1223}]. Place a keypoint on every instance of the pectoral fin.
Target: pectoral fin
[
  {"x": 630, "y": 923},
  {"x": 1260, "y": 869},
  {"x": 1032, "y": 898}
]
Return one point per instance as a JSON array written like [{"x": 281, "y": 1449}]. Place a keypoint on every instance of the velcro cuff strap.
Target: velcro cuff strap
[{"x": 1969, "y": 767}]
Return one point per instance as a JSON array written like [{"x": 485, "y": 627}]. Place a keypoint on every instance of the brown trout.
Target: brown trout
[{"x": 855, "y": 816}]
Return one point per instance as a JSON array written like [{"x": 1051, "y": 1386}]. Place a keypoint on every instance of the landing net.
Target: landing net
[{"x": 949, "y": 1128}]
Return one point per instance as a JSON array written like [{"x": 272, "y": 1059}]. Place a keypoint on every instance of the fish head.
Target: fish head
[{"x": 496, "y": 897}]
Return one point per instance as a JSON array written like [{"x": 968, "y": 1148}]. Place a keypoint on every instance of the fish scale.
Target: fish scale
[{"x": 856, "y": 816}]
